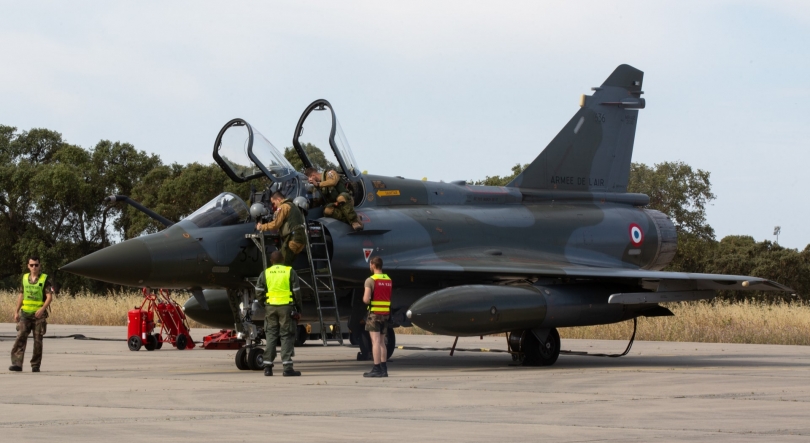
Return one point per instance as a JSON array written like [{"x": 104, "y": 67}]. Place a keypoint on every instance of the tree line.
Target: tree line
[{"x": 51, "y": 205}]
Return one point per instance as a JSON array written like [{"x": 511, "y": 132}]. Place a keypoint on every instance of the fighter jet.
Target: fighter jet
[{"x": 564, "y": 244}]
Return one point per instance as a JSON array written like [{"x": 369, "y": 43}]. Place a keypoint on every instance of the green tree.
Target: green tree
[
  {"x": 497, "y": 180},
  {"x": 742, "y": 255},
  {"x": 315, "y": 155},
  {"x": 49, "y": 204}
]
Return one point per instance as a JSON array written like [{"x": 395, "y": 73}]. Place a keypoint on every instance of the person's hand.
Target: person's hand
[
  {"x": 258, "y": 226},
  {"x": 40, "y": 313},
  {"x": 16, "y": 316}
]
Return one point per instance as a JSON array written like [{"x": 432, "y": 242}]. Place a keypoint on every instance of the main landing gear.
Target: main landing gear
[
  {"x": 539, "y": 347},
  {"x": 250, "y": 358}
]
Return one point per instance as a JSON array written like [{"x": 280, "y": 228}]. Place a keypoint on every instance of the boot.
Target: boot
[
  {"x": 384, "y": 368},
  {"x": 268, "y": 371},
  {"x": 34, "y": 369},
  {"x": 290, "y": 372},
  {"x": 375, "y": 372},
  {"x": 357, "y": 225},
  {"x": 15, "y": 368}
]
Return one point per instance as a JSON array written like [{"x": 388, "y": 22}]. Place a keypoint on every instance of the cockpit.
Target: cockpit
[
  {"x": 224, "y": 210},
  {"x": 245, "y": 155}
]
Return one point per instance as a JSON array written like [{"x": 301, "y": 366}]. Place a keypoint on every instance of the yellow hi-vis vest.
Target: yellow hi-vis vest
[
  {"x": 33, "y": 294},
  {"x": 381, "y": 297},
  {"x": 277, "y": 278}
]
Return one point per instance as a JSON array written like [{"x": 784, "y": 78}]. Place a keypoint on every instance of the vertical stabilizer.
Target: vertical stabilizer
[{"x": 593, "y": 151}]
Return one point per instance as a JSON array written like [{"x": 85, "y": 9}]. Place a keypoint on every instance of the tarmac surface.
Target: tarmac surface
[{"x": 101, "y": 391}]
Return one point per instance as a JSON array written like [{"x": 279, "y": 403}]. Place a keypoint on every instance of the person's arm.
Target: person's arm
[
  {"x": 295, "y": 287},
  {"x": 332, "y": 179},
  {"x": 19, "y": 306},
  {"x": 369, "y": 289},
  {"x": 278, "y": 220},
  {"x": 41, "y": 311},
  {"x": 261, "y": 288}
]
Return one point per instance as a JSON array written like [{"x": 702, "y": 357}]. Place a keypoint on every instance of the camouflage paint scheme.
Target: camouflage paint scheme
[{"x": 564, "y": 244}]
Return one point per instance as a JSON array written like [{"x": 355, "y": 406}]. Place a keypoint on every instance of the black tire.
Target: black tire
[
  {"x": 134, "y": 343},
  {"x": 255, "y": 358},
  {"x": 301, "y": 335},
  {"x": 541, "y": 354},
  {"x": 151, "y": 343},
  {"x": 158, "y": 341},
  {"x": 181, "y": 342},
  {"x": 241, "y": 359},
  {"x": 390, "y": 343},
  {"x": 363, "y": 341}
]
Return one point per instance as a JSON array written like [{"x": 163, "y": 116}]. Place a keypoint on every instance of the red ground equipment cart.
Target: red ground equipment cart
[{"x": 170, "y": 317}]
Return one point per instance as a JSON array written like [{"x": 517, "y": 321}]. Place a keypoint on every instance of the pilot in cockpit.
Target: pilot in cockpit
[{"x": 340, "y": 204}]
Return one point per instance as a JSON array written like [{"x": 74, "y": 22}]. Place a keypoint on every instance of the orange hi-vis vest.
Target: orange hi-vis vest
[{"x": 381, "y": 297}]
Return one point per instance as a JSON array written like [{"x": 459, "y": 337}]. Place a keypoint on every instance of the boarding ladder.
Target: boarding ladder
[{"x": 323, "y": 285}]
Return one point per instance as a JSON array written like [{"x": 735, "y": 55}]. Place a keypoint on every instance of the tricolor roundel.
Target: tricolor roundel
[{"x": 636, "y": 235}]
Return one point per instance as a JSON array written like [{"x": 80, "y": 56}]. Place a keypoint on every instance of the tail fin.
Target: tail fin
[{"x": 593, "y": 151}]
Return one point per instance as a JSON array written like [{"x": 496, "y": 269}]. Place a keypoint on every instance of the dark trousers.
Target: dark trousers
[{"x": 279, "y": 324}]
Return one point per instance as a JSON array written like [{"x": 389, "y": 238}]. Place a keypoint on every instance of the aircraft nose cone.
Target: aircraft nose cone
[{"x": 128, "y": 263}]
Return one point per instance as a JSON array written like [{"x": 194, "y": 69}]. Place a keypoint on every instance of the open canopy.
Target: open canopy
[
  {"x": 323, "y": 128},
  {"x": 244, "y": 154}
]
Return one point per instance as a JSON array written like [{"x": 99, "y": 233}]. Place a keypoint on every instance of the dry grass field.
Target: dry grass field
[
  {"x": 717, "y": 322},
  {"x": 84, "y": 309}
]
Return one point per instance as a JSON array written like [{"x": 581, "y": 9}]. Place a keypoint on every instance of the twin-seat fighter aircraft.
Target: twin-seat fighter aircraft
[{"x": 564, "y": 244}]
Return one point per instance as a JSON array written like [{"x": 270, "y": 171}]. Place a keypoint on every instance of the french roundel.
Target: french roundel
[{"x": 636, "y": 235}]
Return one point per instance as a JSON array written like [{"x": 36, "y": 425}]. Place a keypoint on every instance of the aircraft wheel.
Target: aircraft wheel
[
  {"x": 241, "y": 359},
  {"x": 364, "y": 342},
  {"x": 301, "y": 335},
  {"x": 158, "y": 341},
  {"x": 181, "y": 342},
  {"x": 151, "y": 343},
  {"x": 255, "y": 358},
  {"x": 134, "y": 343},
  {"x": 541, "y": 354},
  {"x": 390, "y": 342}
]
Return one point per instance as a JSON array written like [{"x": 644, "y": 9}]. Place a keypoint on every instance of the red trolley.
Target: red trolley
[{"x": 171, "y": 320}]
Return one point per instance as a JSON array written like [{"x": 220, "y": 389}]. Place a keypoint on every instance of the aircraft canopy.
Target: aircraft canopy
[{"x": 224, "y": 210}]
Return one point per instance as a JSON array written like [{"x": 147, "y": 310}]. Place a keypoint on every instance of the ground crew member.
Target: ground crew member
[
  {"x": 289, "y": 221},
  {"x": 340, "y": 204},
  {"x": 282, "y": 306},
  {"x": 32, "y": 313},
  {"x": 377, "y": 296}
]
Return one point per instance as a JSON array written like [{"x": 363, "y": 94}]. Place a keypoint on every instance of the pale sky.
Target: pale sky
[{"x": 445, "y": 90}]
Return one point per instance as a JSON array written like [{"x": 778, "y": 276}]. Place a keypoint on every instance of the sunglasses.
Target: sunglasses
[{"x": 33, "y": 265}]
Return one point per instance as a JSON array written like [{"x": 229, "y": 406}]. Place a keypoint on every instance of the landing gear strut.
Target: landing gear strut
[{"x": 533, "y": 351}]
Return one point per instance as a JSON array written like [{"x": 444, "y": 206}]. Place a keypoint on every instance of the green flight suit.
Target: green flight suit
[
  {"x": 292, "y": 233},
  {"x": 282, "y": 297},
  {"x": 340, "y": 204}
]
